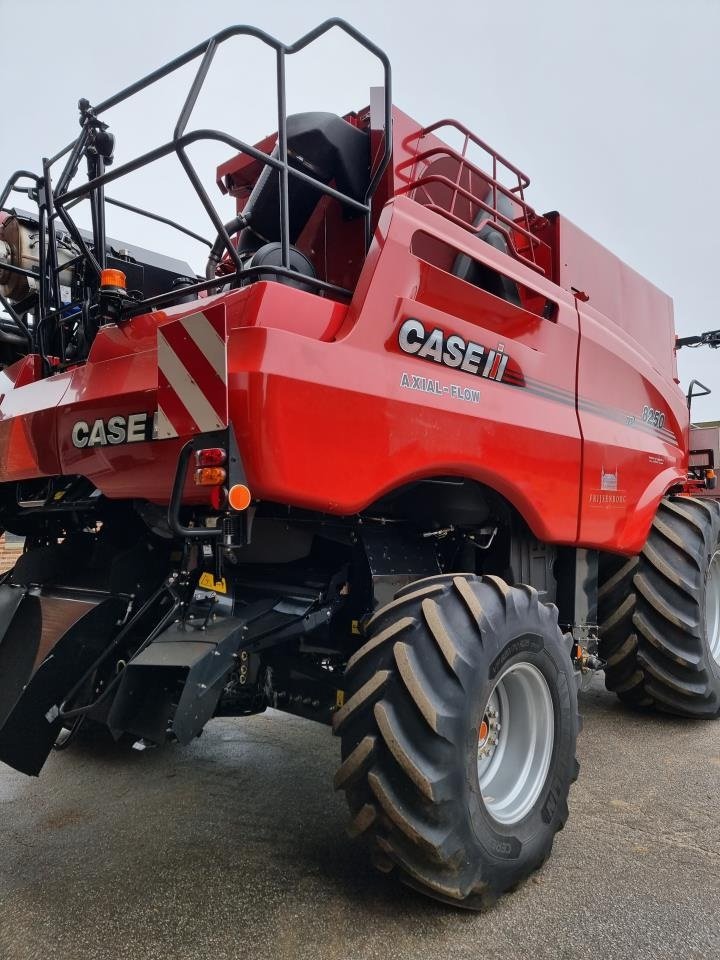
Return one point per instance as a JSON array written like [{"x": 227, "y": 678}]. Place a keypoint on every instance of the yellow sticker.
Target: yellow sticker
[
  {"x": 208, "y": 582},
  {"x": 355, "y": 628},
  {"x": 339, "y": 698}
]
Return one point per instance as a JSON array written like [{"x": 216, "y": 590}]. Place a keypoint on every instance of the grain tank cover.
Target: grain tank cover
[{"x": 618, "y": 292}]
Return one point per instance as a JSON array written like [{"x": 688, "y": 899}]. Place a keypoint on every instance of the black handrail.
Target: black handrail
[
  {"x": 13, "y": 179},
  {"x": 174, "y": 522},
  {"x": 56, "y": 203},
  {"x": 180, "y": 139},
  {"x": 156, "y": 216}
]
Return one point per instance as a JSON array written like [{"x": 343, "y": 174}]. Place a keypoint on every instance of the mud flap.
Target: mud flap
[
  {"x": 171, "y": 689},
  {"x": 47, "y": 642},
  {"x": 16, "y": 656}
]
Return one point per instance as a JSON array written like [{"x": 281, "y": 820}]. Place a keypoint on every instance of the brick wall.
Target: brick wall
[{"x": 10, "y": 550}]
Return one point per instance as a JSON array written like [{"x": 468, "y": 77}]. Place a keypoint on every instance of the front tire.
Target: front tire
[
  {"x": 458, "y": 736},
  {"x": 659, "y": 613}
]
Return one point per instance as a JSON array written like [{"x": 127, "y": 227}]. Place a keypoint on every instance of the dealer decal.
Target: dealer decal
[
  {"x": 452, "y": 351},
  {"x": 133, "y": 428},
  {"x": 610, "y": 493}
]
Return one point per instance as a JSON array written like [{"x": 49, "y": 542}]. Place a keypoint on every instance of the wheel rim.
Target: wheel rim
[
  {"x": 712, "y": 606},
  {"x": 515, "y": 743}
]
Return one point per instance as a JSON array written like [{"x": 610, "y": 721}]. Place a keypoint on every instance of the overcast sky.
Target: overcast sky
[{"x": 609, "y": 105}]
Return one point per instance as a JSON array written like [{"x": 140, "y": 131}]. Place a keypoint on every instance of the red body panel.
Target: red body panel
[
  {"x": 626, "y": 369},
  {"x": 322, "y": 418},
  {"x": 583, "y": 430}
]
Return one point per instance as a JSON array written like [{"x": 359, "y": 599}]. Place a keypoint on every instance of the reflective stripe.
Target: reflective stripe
[
  {"x": 182, "y": 383},
  {"x": 192, "y": 374},
  {"x": 206, "y": 339},
  {"x": 165, "y": 429},
  {"x": 198, "y": 366}
]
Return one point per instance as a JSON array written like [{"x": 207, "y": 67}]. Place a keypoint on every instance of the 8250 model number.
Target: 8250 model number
[{"x": 655, "y": 418}]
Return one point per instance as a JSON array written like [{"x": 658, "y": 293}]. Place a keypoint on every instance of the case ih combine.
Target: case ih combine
[{"x": 409, "y": 459}]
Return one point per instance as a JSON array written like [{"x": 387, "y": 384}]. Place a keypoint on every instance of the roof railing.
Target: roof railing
[{"x": 522, "y": 226}]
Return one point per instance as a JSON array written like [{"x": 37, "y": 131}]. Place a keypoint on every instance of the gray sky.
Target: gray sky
[{"x": 609, "y": 105}]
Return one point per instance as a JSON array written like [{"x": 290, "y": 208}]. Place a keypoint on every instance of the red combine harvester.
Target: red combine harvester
[{"x": 409, "y": 459}]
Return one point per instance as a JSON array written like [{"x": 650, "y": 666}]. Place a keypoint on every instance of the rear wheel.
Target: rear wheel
[
  {"x": 458, "y": 736},
  {"x": 659, "y": 613}
]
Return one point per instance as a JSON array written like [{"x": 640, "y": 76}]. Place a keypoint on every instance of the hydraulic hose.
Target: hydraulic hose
[{"x": 232, "y": 226}]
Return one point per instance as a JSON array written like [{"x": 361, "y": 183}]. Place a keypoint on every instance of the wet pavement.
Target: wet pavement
[{"x": 235, "y": 848}]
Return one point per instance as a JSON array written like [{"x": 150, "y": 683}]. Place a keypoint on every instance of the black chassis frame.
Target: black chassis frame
[
  {"x": 54, "y": 203},
  {"x": 286, "y": 629}
]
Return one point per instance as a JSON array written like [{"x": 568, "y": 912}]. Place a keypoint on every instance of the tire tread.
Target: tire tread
[
  {"x": 402, "y": 731},
  {"x": 652, "y": 631}
]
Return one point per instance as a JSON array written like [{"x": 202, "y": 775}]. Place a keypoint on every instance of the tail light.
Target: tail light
[
  {"x": 210, "y": 476},
  {"x": 210, "y": 457},
  {"x": 209, "y": 469},
  {"x": 218, "y": 498}
]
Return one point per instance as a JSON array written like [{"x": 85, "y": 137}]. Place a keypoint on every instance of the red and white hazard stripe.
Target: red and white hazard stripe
[{"x": 192, "y": 375}]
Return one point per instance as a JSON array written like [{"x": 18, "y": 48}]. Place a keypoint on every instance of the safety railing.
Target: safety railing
[
  {"x": 515, "y": 229},
  {"x": 55, "y": 201}
]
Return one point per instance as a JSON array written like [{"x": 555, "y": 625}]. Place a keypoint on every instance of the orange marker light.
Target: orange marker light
[
  {"x": 210, "y": 476},
  {"x": 113, "y": 278},
  {"x": 239, "y": 497}
]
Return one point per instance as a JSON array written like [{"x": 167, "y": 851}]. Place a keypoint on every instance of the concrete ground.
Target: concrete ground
[{"x": 235, "y": 848}]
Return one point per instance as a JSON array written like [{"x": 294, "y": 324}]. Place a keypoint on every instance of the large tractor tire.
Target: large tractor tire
[
  {"x": 458, "y": 736},
  {"x": 659, "y": 613}
]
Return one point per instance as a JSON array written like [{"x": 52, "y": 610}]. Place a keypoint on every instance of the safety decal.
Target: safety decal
[
  {"x": 208, "y": 582},
  {"x": 192, "y": 375}
]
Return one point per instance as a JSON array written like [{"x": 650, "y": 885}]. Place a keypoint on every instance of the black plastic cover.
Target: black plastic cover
[
  {"x": 173, "y": 686},
  {"x": 324, "y": 146}
]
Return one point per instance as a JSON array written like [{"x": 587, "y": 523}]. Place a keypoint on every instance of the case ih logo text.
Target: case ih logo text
[
  {"x": 135, "y": 428},
  {"x": 451, "y": 351}
]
